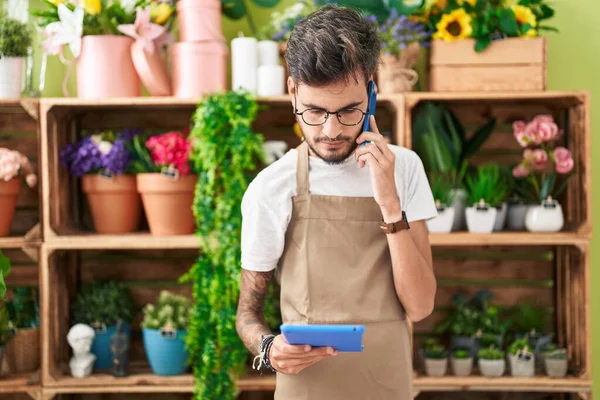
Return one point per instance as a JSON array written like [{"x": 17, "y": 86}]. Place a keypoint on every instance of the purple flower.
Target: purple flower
[
  {"x": 82, "y": 157},
  {"x": 129, "y": 133},
  {"x": 117, "y": 159}
]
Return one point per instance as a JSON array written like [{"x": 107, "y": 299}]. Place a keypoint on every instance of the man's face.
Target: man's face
[{"x": 332, "y": 141}]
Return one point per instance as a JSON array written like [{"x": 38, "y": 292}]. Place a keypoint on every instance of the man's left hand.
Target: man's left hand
[{"x": 382, "y": 162}]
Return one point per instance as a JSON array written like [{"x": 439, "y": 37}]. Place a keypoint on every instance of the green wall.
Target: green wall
[{"x": 573, "y": 63}]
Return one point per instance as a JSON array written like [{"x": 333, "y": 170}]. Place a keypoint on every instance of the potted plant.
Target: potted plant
[
  {"x": 441, "y": 188},
  {"x": 12, "y": 166},
  {"x": 556, "y": 361},
  {"x": 542, "y": 165},
  {"x": 485, "y": 191},
  {"x": 101, "y": 305},
  {"x": 103, "y": 162},
  {"x": 111, "y": 43},
  {"x": 15, "y": 39},
  {"x": 491, "y": 362},
  {"x": 166, "y": 182},
  {"x": 164, "y": 331},
  {"x": 462, "y": 362},
  {"x": 436, "y": 360},
  {"x": 5, "y": 331},
  {"x": 517, "y": 205},
  {"x": 23, "y": 351},
  {"x": 530, "y": 321},
  {"x": 522, "y": 360}
]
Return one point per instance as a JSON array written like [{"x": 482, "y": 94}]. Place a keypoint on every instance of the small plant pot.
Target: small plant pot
[
  {"x": 545, "y": 217},
  {"x": 492, "y": 368},
  {"x": 9, "y": 192},
  {"x": 521, "y": 368},
  {"x": 501, "y": 213},
  {"x": 168, "y": 203},
  {"x": 481, "y": 219},
  {"x": 435, "y": 367},
  {"x": 166, "y": 351},
  {"x": 101, "y": 345},
  {"x": 115, "y": 204},
  {"x": 459, "y": 204},
  {"x": 556, "y": 368},
  {"x": 11, "y": 76},
  {"x": 443, "y": 222},
  {"x": 23, "y": 351},
  {"x": 515, "y": 218},
  {"x": 465, "y": 342},
  {"x": 462, "y": 367}
]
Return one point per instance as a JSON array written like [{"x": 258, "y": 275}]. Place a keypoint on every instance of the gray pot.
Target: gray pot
[
  {"x": 492, "y": 368},
  {"x": 515, "y": 219},
  {"x": 462, "y": 367},
  {"x": 556, "y": 368},
  {"x": 520, "y": 367},
  {"x": 500, "y": 217},
  {"x": 436, "y": 367},
  {"x": 460, "y": 199},
  {"x": 464, "y": 342}
]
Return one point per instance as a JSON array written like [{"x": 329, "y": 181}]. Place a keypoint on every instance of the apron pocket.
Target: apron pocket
[{"x": 390, "y": 374}]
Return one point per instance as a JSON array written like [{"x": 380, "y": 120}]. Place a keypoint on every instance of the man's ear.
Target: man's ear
[{"x": 291, "y": 88}]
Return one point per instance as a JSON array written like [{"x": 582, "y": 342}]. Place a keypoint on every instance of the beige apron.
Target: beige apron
[{"x": 336, "y": 269}]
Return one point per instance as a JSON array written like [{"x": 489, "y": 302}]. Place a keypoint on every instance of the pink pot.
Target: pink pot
[
  {"x": 198, "y": 68},
  {"x": 199, "y": 20},
  {"x": 105, "y": 68}
]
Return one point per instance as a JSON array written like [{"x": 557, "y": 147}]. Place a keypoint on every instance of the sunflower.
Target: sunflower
[
  {"x": 524, "y": 15},
  {"x": 471, "y": 2},
  {"x": 453, "y": 26}
]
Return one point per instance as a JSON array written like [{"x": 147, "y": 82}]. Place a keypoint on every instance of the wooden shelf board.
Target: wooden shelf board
[
  {"x": 507, "y": 238},
  {"x": 16, "y": 242},
  {"x": 20, "y": 383},
  {"x": 510, "y": 95}
]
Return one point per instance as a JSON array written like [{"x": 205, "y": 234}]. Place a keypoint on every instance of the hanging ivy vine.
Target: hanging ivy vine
[{"x": 226, "y": 155}]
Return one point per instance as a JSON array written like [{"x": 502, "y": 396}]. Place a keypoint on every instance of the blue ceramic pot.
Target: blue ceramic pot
[
  {"x": 101, "y": 346},
  {"x": 167, "y": 355}
]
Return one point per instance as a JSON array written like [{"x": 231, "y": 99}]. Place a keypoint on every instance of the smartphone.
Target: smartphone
[{"x": 372, "y": 94}]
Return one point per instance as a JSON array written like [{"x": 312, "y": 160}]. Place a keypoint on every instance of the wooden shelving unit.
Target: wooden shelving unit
[{"x": 71, "y": 253}]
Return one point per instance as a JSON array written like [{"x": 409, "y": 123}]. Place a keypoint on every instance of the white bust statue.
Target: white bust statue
[{"x": 80, "y": 339}]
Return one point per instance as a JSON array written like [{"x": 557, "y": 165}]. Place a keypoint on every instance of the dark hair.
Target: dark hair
[{"x": 331, "y": 45}]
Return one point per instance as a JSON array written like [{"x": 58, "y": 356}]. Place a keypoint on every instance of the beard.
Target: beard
[{"x": 336, "y": 155}]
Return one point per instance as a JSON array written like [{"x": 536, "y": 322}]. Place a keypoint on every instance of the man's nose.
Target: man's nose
[{"x": 332, "y": 127}]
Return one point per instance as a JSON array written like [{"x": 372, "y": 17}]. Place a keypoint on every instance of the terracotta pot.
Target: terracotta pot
[
  {"x": 9, "y": 192},
  {"x": 168, "y": 203},
  {"x": 114, "y": 202},
  {"x": 393, "y": 78},
  {"x": 22, "y": 352}
]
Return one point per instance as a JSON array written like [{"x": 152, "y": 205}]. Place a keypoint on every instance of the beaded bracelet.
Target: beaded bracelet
[{"x": 266, "y": 342}]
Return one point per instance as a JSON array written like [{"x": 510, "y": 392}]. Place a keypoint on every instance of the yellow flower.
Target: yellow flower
[
  {"x": 57, "y": 2},
  {"x": 454, "y": 26},
  {"x": 471, "y": 2},
  {"x": 510, "y": 3},
  {"x": 161, "y": 13},
  {"x": 92, "y": 7},
  {"x": 524, "y": 16}
]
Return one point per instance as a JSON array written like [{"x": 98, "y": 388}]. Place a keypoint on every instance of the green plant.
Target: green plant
[
  {"x": 4, "y": 271},
  {"x": 441, "y": 140},
  {"x": 487, "y": 185},
  {"x": 518, "y": 345},
  {"x": 103, "y": 303},
  {"x": 436, "y": 352},
  {"x": 441, "y": 188},
  {"x": 15, "y": 37},
  {"x": 461, "y": 354},
  {"x": 5, "y": 331},
  {"x": 226, "y": 154},
  {"x": 170, "y": 311},
  {"x": 555, "y": 353},
  {"x": 23, "y": 309},
  {"x": 490, "y": 353},
  {"x": 237, "y": 9},
  {"x": 528, "y": 317}
]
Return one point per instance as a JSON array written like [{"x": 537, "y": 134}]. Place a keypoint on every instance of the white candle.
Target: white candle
[
  {"x": 268, "y": 53},
  {"x": 244, "y": 62},
  {"x": 270, "y": 80}
]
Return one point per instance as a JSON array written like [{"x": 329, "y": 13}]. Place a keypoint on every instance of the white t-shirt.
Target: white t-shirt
[{"x": 267, "y": 203}]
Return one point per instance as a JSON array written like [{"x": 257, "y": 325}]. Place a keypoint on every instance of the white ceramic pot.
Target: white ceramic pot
[
  {"x": 493, "y": 368},
  {"x": 556, "y": 368},
  {"x": 11, "y": 77},
  {"x": 462, "y": 367},
  {"x": 515, "y": 218},
  {"x": 545, "y": 217},
  {"x": 500, "y": 217},
  {"x": 481, "y": 219},
  {"x": 436, "y": 367},
  {"x": 459, "y": 204},
  {"x": 443, "y": 222},
  {"x": 522, "y": 368}
]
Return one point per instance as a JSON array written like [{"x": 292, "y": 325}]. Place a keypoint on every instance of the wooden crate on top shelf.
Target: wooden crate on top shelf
[
  {"x": 571, "y": 112},
  {"x": 555, "y": 278},
  {"x": 19, "y": 131},
  {"x": 67, "y": 222}
]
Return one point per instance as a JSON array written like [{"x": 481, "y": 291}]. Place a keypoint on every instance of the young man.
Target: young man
[{"x": 331, "y": 217}]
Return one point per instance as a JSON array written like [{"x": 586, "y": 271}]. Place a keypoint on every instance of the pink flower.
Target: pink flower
[
  {"x": 561, "y": 153},
  {"x": 143, "y": 30},
  {"x": 532, "y": 133},
  {"x": 520, "y": 171},
  {"x": 528, "y": 156},
  {"x": 563, "y": 160},
  {"x": 171, "y": 149},
  {"x": 50, "y": 46},
  {"x": 519, "y": 132},
  {"x": 540, "y": 159},
  {"x": 13, "y": 164},
  {"x": 547, "y": 131},
  {"x": 543, "y": 118}
]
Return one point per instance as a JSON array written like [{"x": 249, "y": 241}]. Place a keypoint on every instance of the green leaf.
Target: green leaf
[
  {"x": 482, "y": 43},
  {"x": 547, "y": 186},
  {"x": 4, "y": 271},
  {"x": 266, "y": 3},
  {"x": 508, "y": 23},
  {"x": 234, "y": 9},
  {"x": 547, "y": 28},
  {"x": 525, "y": 28},
  {"x": 479, "y": 138},
  {"x": 547, "y": 12}
]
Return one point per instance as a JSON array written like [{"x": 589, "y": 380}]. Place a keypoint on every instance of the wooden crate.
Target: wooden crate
[
  {"x": 19, "y": 131},
  {"x": 571, "y": 112},
  {"x": 515, "y": 64}
]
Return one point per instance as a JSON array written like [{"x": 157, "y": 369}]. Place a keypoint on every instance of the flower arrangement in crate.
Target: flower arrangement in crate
[
  {"x": 543, "y": 173},
  {"x": 166, "y": 181},
  {"x": 164, "y": 332},
  {"x": 13, "y": 165},
  {"x": 103, "y": 161}
]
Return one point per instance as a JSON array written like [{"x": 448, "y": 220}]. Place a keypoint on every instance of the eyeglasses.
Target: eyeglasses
[{"x": 317, "y": 116}]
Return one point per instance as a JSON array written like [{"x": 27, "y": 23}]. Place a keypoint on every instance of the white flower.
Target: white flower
[
  {"x": 68, "y": 30},
  {"x": 104, "y": 147},
  {"x": 128, "y": 5}
]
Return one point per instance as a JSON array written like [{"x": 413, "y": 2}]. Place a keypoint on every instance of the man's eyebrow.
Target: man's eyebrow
[{"x": 351, "y": 105}]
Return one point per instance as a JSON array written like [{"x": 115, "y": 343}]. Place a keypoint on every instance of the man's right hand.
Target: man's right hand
[{"x": 291, "y": 359}]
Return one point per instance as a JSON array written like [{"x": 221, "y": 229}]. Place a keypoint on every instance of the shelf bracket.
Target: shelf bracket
[
  {"x": 31, "y": 106},
  {"x": 34, "y": 235},
  {"x": 34, "y": 394},
  {"x": 416, "y": 393},
  {"x": 585, "y": 395}
]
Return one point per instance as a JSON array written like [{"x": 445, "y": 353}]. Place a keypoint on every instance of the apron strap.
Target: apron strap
[{"x": 302, "y": 170}]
